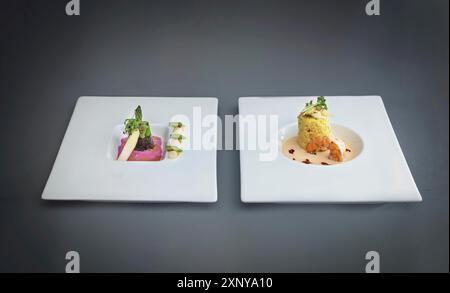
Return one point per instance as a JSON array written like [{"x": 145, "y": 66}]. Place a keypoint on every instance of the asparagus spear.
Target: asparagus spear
[
  {"x": 135, "y": 128},
  {"x": 129, "y": 146}
]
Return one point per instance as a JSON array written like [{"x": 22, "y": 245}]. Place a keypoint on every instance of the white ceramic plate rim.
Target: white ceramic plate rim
[
  {"x": 253, "y": 192},
  {"x": 60, "y": 185}
]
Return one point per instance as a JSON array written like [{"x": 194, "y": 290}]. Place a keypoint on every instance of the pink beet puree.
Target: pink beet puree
[{"x": 154, "y": 154}]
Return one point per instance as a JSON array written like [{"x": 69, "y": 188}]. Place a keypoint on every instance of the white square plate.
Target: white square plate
[
  {"x": 86, "y": 169},
  {"x": 379, "y": 173}
]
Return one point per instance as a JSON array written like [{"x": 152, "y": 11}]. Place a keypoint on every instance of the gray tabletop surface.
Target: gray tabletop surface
[{"x": 225, "y": 49}]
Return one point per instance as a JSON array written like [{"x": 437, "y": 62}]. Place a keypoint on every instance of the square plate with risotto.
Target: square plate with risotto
[{"x": 321, "y": 150}]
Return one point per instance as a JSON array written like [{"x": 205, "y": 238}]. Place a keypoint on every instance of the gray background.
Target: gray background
[{"x": 225, "y": 49}]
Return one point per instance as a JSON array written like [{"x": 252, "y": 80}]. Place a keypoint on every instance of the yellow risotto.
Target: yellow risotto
[{"x": 310, "y": 127}]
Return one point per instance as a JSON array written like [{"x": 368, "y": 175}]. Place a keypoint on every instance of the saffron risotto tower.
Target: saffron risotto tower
[
  {"x": 314, "y": 125},
  {"x": 314, "y": 131}
]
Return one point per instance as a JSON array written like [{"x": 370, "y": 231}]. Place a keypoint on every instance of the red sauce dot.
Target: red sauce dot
[
  {"x": 348, "y": 150},
  {"x": 291, "y": 151},
  {"x": 325, "y": 164},
  {"x": 307, "y": 161}
]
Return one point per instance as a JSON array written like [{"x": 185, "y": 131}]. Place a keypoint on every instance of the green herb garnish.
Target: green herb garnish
[
  {"x": 319, "y": 105},
  {"x": 173, "y": 149},
  {"x": 175, "y": 124},
  {"x": 136, "y": 123},
  {"x": 179, "y": 137}
]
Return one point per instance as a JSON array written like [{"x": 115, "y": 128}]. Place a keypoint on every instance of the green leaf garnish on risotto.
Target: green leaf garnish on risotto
[{"x": 319, "y": 105}]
